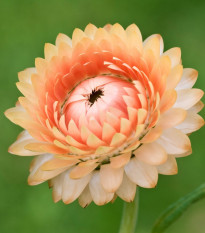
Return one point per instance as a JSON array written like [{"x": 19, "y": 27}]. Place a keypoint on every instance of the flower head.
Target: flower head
[{"x": 105, "y": 112}]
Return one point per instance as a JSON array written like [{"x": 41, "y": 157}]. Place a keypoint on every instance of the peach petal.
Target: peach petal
[
  {"x": 73, "y": 188},
  {"x": 99, "y": 195},
  {"x": 133, "y": 146},
  {"x": 56, "y": 163},
  {"x": 191, "y": 123},
  {"x": 187, "y": 98},
  {"x": 83, "y": 169},
  {"x": 127, "y": 189},
  {"x": 85, "y": 198},
  {"x": 171, "y": 118},
  {"x": 152, "y": 135},
  {"x": 151, "y": 153},
  {"x": 169, "y": 167},
  {"x": 141, "y": 173},
  {"x": 45, "y": 147},
  {"x": 110, "y": 177},
  {"x": 168, "y": 100},
  {"x": 174, "y": 141},
  {"x": 188, "y": 79},
  {"x": 120, "y": 160}
]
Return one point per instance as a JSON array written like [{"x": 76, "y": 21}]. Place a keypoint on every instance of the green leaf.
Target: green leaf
[{"x": 174, "y": 211}]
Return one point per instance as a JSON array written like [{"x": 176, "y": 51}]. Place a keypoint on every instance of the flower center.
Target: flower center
[{"x": 95, "y": 95}]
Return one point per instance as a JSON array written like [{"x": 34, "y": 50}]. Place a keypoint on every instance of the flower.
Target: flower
[{"x": 105, "y": 112}]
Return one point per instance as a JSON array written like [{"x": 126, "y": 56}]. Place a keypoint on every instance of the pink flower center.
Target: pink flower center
[{"x": 95, "y": 97}]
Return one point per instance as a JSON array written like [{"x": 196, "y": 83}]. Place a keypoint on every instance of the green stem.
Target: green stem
[{"x": 129, "y": 215}]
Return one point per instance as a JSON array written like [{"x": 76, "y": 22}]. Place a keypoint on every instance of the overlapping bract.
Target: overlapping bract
[{"x": 132, "y": 132}]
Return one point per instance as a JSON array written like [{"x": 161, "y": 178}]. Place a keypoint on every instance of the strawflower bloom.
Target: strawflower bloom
[{"x": 105, "y": 112}]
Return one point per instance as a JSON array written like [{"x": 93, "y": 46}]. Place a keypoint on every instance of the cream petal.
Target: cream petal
[
  {"x": 27, "y": 90},
  {"x": 57, "y": 187},
  {"x": 175, "y": 56},
  {"x": 154, "y": 43},
  {"x": 184, "y": 154},
  {"x": 188, "y": 79},
  {"x": 25, "y": 75},
  {"x": 90, "y": 30},
  {"x": 73, "y": 188},
  {"x": 171, "y": 118},
  {"x": 134, "y": 37},
  {"x": 174, "y": 141},
  {"x": 197, "y": 107},
  {"x": 85, "y": 197},
  {"x": 50, "y": 51},
  {"x": 127, "y": 189},
  {"x": 174, "y": 77},
  {"x": 151, "y": 153},
  {"x": 37, "y": 175},
  {"x": 191, "y": 123},
  {"x": 77, "y": 36},
  {"x": 99, "y": 195},
  {"x": 187, "y": 98},
  {"x": 141, "y": 173},
  {"x": 18, "y": 147},
  {"x": 118, "y": 30},
  {"x": 169, "y": 167},
  {"x": 110, "y": 177},
  {"x": 63, "y": 38}
]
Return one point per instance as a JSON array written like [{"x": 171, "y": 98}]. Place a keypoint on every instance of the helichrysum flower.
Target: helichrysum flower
[{"x": 105, "y": 112}]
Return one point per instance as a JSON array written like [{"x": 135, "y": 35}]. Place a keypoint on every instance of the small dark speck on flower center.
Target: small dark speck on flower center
[{"x": 94, "y": 96}]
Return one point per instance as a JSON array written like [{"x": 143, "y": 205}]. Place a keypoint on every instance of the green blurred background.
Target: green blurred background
[{"x": 25, "y": 26}]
